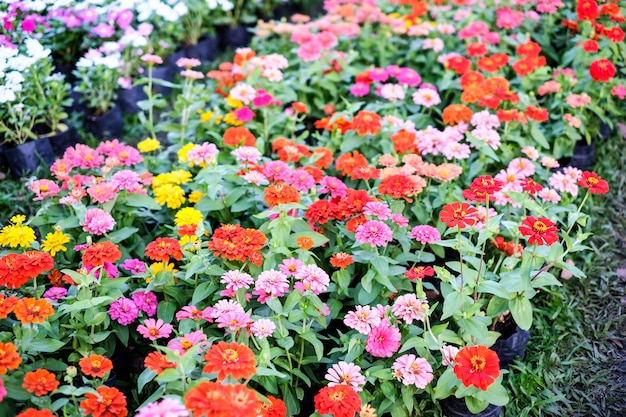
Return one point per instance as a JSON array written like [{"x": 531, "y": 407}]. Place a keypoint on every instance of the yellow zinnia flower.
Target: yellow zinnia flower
[
  {"x": 188, "y": 216},
  {"x": 157, "y": 267},
  {"x": 148, "y": 145},
  {"x": 170, "y": 194},
  {"x": 54, "y": 242},
  {"x": 17, "y": 235},
  {"x": 182, "y": 153},
  {"x": 195, "y": 196},
  {"x": 237, "y": 104},
  {"x": 231, "y": 119},
  {"x": 206, "y": 116}
]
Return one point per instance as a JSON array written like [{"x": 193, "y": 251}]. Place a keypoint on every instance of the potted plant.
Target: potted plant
[{"x": 97, "y": 76}]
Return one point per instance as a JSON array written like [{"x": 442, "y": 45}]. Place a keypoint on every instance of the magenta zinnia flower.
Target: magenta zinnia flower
[
  {"x": 127, "y": 180},
  {"x": 344, "y": 373},
  {"x": 146, "y": 301},
  {"x": 168, "y": 407},
  {"x": 193, "y": 313},
  {"x": 383, "y": 340},
  {"x": 98, "y": 221},
  {"x": 312, "y": 278},
  {"x": 378, "y": 209},
  {"x": 154, "y": 329},
  {"x": 270, "y": 284},
  {"x": 134, "y": 266},
  {"x": 425, "y": 234},
  {"x": 124, "y": 311},
  {"x": 374, "y": 232},
  {"x": 234, "y": 320}
]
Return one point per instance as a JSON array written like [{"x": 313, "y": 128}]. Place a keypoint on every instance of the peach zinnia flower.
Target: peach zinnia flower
[
  {"x": 230, "y": 359},
  {"x": 40, "y": 382},
  {"x": 95, "y": 365},
  {"x": 30, "y": 310}
]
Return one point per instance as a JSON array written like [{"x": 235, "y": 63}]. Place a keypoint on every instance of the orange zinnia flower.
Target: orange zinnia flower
[
  {"x": 348, "y": 162},
  {"x": 34, "y": 262},
  {"x": 9, "y": 358},
  {"x": 95, "y": 365},
  {"x": 207, "y": 399},
  {"x": 398, "y": 186},
  {"x": 11, "y": 274},
  {"x": 108, "y": 402},
  {"x": 304, "y": 242},
  {"x": 99, "y": 253},
  {"x": 235, "y": 243},
  {"x": 158, "y": 362},
  {"x": 273, "y": 408},
  {"x": 162, "y": 248},
  {"x": 32, "y": 412},
  {"x": 238, "y": 136},
  {"x": 30, "y": 310},
  {"x": 456, "y": 113},
  {"x": 7, "y": 304},
  {"x": 341, "y": 260},
  {"x": 323, "y": 157},
  {"x": 366, "y": 122},
  {"x": 281, "y": 194},
  {"x": 338, "y": 400},
  {"x": 230, "y": 359},
  {"x": 300, "y": 107},
  {"x": 478, "y": 366},
  {"x": 404, "y": 141},
  {"x": 40, "y": 382}
]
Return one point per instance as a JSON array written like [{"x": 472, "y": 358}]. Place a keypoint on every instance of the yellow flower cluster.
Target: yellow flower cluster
[
  {"x": 16, "y": 234},
  {"x": 182, "y": 153},
  {"x": 167, "y": 189},
  {"x": 231, "y": 119},
  {"x": 55, "y": 242},
  {"x": 148, "y": 145},
  {"x": 157, "y": 267},
  {"x": 195, "y": 196},
  {"x": 234, "y": 103},
  {"x": 188, "y": 216}
]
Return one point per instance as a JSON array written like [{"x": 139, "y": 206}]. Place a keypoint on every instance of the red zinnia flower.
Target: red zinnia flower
[
  {"x": 459, "y": 64},
  {"x": 99, "y": 253},
  {"x": 590, "y": 46},
  {"x": 541, "y": 230},
  {"x": 347, "y": 162},
  {"x": 281, "y": 194},
  {"x": 398, "y": 186},
  {"x": 238, "y": 136},
  {"x": 593, "y": 182},
  {"x": 615, "y": 34},
  {"x": 273, "y": 408},
  {"x": 458, "y": 215},
  {"x": 323, "y": 157},
  {"x": 531, "y": 186},
  {"x": 510, "y": 248},
  {"x": 11, "y": 274},
  {"x": 366, "y": 122},
  {"x": 230, "y": 359},
  {"x": 456, "y": 113},
  {"x": 34, "y": 262},
  {"x": 419, "y": 272},
  {"x": 476, "y": 49},
  {"x": 235, "y": 243},
  {"x": 108, "y": 402},
  {"x": 486, "y": 185},
  {"x": 478, "y": 366},
  {"x": 158, "y": 362},
  {"x": 162, "y": 248},
  {"x": 529, "y": 48},
  {"x": 31, "y": 412},
  {"x": 7, "y": 304},
  {"x": 319, "y": 212},
  {"x": 404, "y": 141},
  {"x": 587, "y": 10},
  {"x": 339, "y": 400},
  {"x": 40, "y": 382},
  {"x": 207, "y": 399},
  {"x": 341, "y": 260},
  {"x": 299, "y": 107},
  {"x": 536, "y": 113},
  {"x": 95, "y": 365},
  {"x": 602, "y": 70}
]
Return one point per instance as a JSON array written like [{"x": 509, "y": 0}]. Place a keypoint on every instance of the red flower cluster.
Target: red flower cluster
[
  {"x": 602, "y": 70},
  {"x": 493, "y": 62},
  {"x": 162, "y": 248},
  {"x": 17, "y": 269},
  {"x": 233, "y": 242},
  {"x": 217, "y": 400},
  {"x": 339, "y": 400},
  {"x": 531, "y": 59},
  {"x": 419, "y": 272}
]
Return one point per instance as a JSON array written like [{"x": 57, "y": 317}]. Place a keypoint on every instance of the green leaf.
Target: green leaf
[
  {"x": 536, "y": 134},
  {"x": 202, "y": 292},
  {"x": 146, "y": 376},
  {"x": 381, "y": 265},
  {"x": 166, "y": 310},
  {"x": 495, "y": 288},
  {"x": 474, "y": 405},
  {"x": 445, "y": 384},
  {"x": 453, "y": 303},
  {"x": 522, "y": 311},
  {"x": 413, "y": 342},
  {"x": 142, "y": 201},
  {"x": 44, "y": 345},
  {"x": 476, "y": 326},
  {"x": 122, "y": 234},
  {"x": 317, "y": 345},
  {"x": 545, "y": 279}
]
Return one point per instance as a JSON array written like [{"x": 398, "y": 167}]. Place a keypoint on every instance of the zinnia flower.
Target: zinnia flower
[
  {"x": 411, "y": 370},
  {"x": 383, "y": 340},
  {"x": 230, "y": 359},
  {"x": 98, "y": 221},
  {"x": 154, "y": 329},
  {"x": 55, "y": 242},
  {"x": 40, "y": 382},
  {"x": 168, "y": 407},
  {"x": 540, "y": 230},
  {"x": 30, "y": 310},
  {"x": 108, "y": 402},
  {"x": 9, "y": 358},
  {"x": 374, "y": 232},
  {"x": 158, "y": 362},
  {"x": 478, "y": 366},
  {"x": 101, "y": 252},
  {"x": 344, "y": 373},
  {"x": 338, "y": 400},
  {"x": 95, "y": 365},
  {"x": 274, "y": 408},
  {"x": 162, "y": 248},
  {"x": 593, "y": 182},
  {"x": 458, "y": 215}
]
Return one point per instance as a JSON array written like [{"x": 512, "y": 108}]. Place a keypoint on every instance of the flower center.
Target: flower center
[
  {"x": 591, "y": 181},
  {"x": 154, "y": 331},
  {"x": 186, "y": 344},
  {"x": 336, "y": 396},
  {"x": 539, "y": 226},
  {"x": 96, "y": 364},
  {"x": 230, "y": 356},
  {"x": 478, "y": 363}
]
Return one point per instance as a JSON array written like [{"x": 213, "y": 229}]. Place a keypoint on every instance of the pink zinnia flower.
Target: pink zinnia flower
[
  {"x": 327, "y": 40},
  {"x": 243, "y": 92},
  {"x": 301, "y": 180},
  {"x": 255, "y": 177},
  {"x": 247, "y": 154},
  {"x": 408, "y": 308},
  {"x": 564, "y": 183},
  {"x": 426, "y": 97},
  {"x": 203, "y": 154},
  {"x": 262, "y": 328},
  {"x": 360, "y": 89},
  {"x": 374, "y": 232},
  {"x": 377, "y": 209},
  {"x": 226, "y": 306},
  {"x": 379, "y": 74},
  {"x": 98, "y": 221},
  {"x": 154, "y": 329},
  {"x": 82, "y": 156},
  {"x": 102, "y": 192},
  {"x": 233, "y": 320},
  {"x": 152, "y": 59},
  {"x": 168, "y": 407},
  {"x": 270, "y": 284},
  {"x": 311, "y": 278},
  {"x": 110, "y": 147},
  {"x": 55, "y": 293},
  {"x": 449, "y": 354},
  {"x": 392, "y": 92},
  {"x": 236, "y": 279},
  {"x": 126, "y": 180},
  {"x": 334, "y": 186},
  {"x": 550, "y": 195},
  {"x": 619, "y": 91},
  {"x": 411, "y": 370},
  {"x": 146, "y": 301},
  {"x": 134, "y": 266},
  {"x": 549, "y": 162},
  {"x": 310, "y": 51},
  {"x": 193, "y": 313},
  {"x": 578, "y": 100},
  {"x": 290, "y": 266},
  {"x": 344, "y": 373},
  {"x": 103, "y": 30},
  {"x": 383, "y": 340},
  {"x": 44, "y": 189},
  {"x": 244, "y": 114},
  {"x": 425, "y": 234},
  {"x": 531, "y": 152},
  {"x": 188, "y": 62},
  {"x": 124, "y": 311},
  {"x": 362, "y": 319},
  {"x": 408, "y": 76},
  {"x": 182, "y": 344},
  {"x": 400, "y": 220},
  {"x": 277, "y": 171},
  {"x": 522, "y": 166}
]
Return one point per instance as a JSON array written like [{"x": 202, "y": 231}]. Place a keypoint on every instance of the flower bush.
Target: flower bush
[{"x": 351, "y": 210}]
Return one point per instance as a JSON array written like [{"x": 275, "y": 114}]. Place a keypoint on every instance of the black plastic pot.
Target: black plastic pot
[
  {"x": 511, "y": 346},
  {"x": 163, "y": 73},
  {"x": 78, "y": 105},
  {"x": 107, "y": 126},
  {"x": 234, "y": 37},
  {"x": 205, "y": 50},
  {"x": 584, "y": 156},
  {"x": 455, "y": 407},
  {"x": 61, "y": 141},
  {"x": 27, "y": 157},
  {"x": 127, "y": 99}
]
